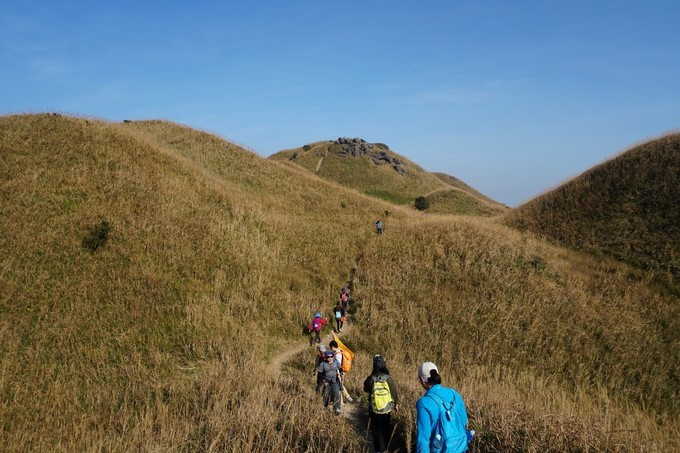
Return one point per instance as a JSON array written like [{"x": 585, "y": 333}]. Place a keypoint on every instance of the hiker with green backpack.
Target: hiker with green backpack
[
  {"x": 442, "y": 419},
  {"x": 383, "y": 399}
]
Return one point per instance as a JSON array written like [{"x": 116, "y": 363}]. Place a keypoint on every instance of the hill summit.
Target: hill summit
[
  {"x": 358, "y": 147},
  {"x": 376, "y": 170}
]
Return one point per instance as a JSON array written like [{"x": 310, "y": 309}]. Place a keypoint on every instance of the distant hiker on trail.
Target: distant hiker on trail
[
  {"x": 344, "y": 298},
  {"x": 330, "y": 381},
  {"x": 339, "y": 358},
  {"x": 442, "y": 419},
  {"x": 382, "y": 400},
  {"x": 315, "y": 328},
  {"x": 318, "y": 360},
  {"x": 378, "y": 227},
  {"x": 339, "y": 313}
]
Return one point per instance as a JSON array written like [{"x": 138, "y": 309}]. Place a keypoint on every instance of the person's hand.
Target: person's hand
[{"x": 396, "y": 408}]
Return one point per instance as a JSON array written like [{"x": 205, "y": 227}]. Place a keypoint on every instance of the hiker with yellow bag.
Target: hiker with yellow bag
[
  {"x": 383, "y": 399},
  {"x": 344, "y": 357}
]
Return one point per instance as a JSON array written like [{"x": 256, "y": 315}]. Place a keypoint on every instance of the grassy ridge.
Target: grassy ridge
[
  {"x": 457, "y": 201},
  {"x": 493, "y": 306},
  {"x": 361, "y": 174},
  {"x": 457, "y": 183},
  {"x": 626, "y": 207},
  {"x": 162, "y": 338}
]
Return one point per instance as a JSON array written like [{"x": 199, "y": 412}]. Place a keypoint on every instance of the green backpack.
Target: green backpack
[{"x": 381, "y": 397}]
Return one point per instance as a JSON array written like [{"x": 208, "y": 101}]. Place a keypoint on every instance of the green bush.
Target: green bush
[
  {"x": 97, "y": 236},
  {"x": 422, "y": 203}
]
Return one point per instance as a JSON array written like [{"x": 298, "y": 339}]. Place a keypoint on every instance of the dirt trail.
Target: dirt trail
[
  {"x": 350, "y": 411},
  {"x": 285, "y": 355}
]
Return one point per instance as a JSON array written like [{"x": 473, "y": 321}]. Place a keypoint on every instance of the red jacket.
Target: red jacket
[{"x": 321, "y": 322}]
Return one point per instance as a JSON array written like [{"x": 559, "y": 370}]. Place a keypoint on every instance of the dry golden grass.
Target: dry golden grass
[
  {"x": 550, "y": 358},
  {"x": 161, "y": 340},
  {"x": 626, "y": 207},
  {"x": 460, "y": 202}
]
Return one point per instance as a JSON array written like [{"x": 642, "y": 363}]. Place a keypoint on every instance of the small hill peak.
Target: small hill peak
[{"x": 358, "y": 147}]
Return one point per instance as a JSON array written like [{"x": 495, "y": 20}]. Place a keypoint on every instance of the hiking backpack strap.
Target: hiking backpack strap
[{"x": 441, "y": 401}]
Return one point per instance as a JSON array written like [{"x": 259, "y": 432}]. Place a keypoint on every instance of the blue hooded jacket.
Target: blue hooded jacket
[{"x": 427, "y": 410}]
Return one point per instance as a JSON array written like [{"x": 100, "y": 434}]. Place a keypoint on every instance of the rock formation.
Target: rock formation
[{"x": 357, "y": 148}]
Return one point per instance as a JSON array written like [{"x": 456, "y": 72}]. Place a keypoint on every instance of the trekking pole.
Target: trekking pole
[
  {"x": 368, "y": 427},
  {"x": 394, "y": 430}
]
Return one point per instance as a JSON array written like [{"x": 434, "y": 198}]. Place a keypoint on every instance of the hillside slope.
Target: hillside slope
[
  {"x": 163, "y": 338},
  {"x": 627, "y": 207},
  {"x": 459, "y": 184},
  {"x": 212, "y": 253},
  {"x": 374, "y": 169},
  {"x": 458, "y": 201}
]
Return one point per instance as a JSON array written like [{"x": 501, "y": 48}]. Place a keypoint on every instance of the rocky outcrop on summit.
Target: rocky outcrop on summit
[{"x": 357, "y": 148}]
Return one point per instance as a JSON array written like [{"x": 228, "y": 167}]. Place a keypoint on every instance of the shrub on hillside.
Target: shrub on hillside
[
  {"x": 97, "y": 236},
  {"x": 422, "y": 203}
]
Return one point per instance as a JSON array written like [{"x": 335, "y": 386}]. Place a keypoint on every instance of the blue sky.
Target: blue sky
[{"x": 513, "y": 97}]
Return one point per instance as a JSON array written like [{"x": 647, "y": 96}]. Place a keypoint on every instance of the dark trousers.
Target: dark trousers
[
  {"x": 332, "y": 390},
  {"x": 380, "y": 425}
]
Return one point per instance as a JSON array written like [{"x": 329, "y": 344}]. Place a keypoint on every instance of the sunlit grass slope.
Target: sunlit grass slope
[
  {"x": 459, "y": 184},
  {"x": 381, "y": 181},
  {"x": 627, "y": 207},
  {"x": 157, "y": 340},
  {"x": 163, "y": 338},
  {"x": 553, "y": 351},
  {"x": 458, "y": 201}
]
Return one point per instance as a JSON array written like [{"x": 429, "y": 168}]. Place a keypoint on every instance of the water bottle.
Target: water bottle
[{"x": 470, "y": 433}]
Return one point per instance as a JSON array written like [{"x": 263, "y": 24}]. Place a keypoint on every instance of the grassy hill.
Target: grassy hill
[
  {"x": 163, "y": 338},
  {"x": 458, "y": 201},
  {"x": 213, "y": 254},
  {"x": 627, "y": 207},
  {"x": 459, "y": 184},
  {"x": 362, "y": 173}
]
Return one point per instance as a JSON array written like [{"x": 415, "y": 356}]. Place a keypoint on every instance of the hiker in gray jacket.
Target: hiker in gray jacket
[{"x": 329, "y": 373}]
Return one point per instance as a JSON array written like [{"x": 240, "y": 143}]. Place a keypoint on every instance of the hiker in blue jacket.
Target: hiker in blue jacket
[{"x": 436, "y": 399}]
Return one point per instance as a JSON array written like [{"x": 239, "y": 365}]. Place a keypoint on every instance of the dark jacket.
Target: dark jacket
[{"x": 368, "y": 388}]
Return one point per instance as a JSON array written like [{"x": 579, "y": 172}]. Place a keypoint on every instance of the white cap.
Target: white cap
[{"x": 425, "y": 368}]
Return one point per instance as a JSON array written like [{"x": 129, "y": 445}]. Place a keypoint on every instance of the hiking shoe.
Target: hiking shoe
[{"x": 336, "y": 412}]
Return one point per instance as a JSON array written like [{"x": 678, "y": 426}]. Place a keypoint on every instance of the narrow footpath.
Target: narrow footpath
[{"x": 351, "y": 412}]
